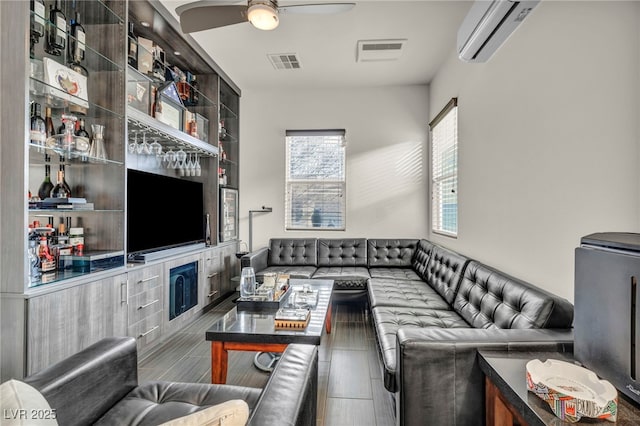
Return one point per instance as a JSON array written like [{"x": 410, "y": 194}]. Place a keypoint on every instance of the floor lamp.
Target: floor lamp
[{"x": 251, "y": 212}]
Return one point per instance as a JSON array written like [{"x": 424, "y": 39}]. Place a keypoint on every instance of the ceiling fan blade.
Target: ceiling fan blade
[
  {"x": 323, "y": 8},
  {"x": 204, "y": 15}
]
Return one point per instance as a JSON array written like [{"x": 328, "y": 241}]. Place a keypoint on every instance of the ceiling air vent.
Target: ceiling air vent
[
  {"x": 379, "y": 50},
  {"x": 285, "y": 61}
]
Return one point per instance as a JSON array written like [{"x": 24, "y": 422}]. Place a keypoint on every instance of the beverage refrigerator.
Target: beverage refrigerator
[
  {"x": 607, "y": 321},
  {"x": 228, "y": 214}
]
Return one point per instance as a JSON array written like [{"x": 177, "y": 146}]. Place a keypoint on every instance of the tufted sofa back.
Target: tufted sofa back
[
  {"x": 421, "y": 257},
  {"x": 293, "y": 252},
  {"x": 342, "y": 252},
  {"x": 390, "y": 252},
  {"x": 444, "y": 272},
  {"x": 490, "y": 299}
]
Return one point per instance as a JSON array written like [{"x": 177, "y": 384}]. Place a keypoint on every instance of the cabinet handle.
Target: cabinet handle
[
  {"x": 212, "y": 293},
  {"x": 212, "y": 275},
  {"x": 148, "y": 304},
  {"x": 124, "y": 290},
  {"x": 149, "y": 331},
  {"x": 148, "y": 279}
]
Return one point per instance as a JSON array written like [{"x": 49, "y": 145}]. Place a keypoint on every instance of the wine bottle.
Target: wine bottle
[
  {"x": 56, "y": 40},
  {"x": 48, "y": 123},
  {"x": 59, "y": 191},
  {"x": 44, "y": 191},
  {"x": 64, "y": 179},
  {"x": 132, "y": 50},
  {"x": 194, "y": 95},
  {"x": 77, "y": 38},
  {"x": 38, "y": 131},
  {"x": 37, "y": 23},
  {"x": 157, "y": 105}
]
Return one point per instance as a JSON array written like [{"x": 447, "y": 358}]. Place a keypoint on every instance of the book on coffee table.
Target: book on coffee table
[{"x": 287, "y": 318}]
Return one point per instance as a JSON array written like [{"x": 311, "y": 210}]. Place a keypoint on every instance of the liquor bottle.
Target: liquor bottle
[
  {"x": 81, "y": 131},
  {"x": 38, "y": 131},
  {"x": 37, "y": 23},
  {"x": 34, "y": 261},
  {"x": 193, "y": 126},
  {"x": 56, "y": 40},
  {"x": 77, "y": 40},
  {"x": 59, "y": 191},
  {"x": 223, "y": 153},
  {"x": 194, "y": 95},
  {"x": 156, "y": 108},
  {"x": 48, "y": 123},
  {"x": 132, "y": 50},
  {"x": 44, "y": 191}
]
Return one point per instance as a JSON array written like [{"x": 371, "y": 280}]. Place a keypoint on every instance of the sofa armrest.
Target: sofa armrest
[
  {"x": 438, "y": 374},
  {"x": 290, "y": 397},
  {"x": 256, "y": 259},
  {"x": 82, "y": 387}
]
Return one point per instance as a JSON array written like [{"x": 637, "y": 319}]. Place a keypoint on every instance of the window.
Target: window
[
  {"x": 315, "y": 180},
  {"x": 444, "y": 170}
]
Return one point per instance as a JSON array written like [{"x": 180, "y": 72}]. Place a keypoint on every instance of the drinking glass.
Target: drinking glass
[{"x": 247, "y": 282}]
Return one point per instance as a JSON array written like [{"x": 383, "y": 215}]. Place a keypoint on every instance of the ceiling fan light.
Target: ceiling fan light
[{"x": 263, "y": 16}]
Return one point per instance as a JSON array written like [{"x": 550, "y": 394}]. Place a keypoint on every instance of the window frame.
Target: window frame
[
  {"x": 437, "y": 205},
  {"x": 290, "y": 183}
]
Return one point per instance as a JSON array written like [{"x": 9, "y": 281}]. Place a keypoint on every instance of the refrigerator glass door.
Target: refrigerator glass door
[{"x": 228, "y": 214}]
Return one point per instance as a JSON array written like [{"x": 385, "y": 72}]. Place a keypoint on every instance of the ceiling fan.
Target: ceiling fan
[{"x": 263, "y": 14}]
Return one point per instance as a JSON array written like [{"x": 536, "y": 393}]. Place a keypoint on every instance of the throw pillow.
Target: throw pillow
[
  {"x": 230, "y": 413},
  {"x": 22, "y": 404}
]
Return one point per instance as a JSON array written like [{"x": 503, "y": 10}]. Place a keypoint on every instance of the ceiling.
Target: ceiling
[{"x": 326, "y": 44}]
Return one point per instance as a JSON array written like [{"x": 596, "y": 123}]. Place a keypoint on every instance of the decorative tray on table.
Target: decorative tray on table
[
  {"x": 572, "y": 391},
  {"x": 262, "y": 302}
]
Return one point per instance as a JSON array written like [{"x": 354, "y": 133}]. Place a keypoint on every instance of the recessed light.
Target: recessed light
[
  {"x": 145, "y": 24},
  {"x": 177, "y": 53}
]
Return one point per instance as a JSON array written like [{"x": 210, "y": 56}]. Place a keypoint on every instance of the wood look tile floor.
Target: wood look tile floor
[{"x": 350, "y": 387}]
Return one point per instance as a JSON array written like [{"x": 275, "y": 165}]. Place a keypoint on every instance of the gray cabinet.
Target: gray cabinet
[
  {"x": 146, "y": 304},
  {"x": 62, "y": 323},
  {"x": 210, "y": 290}
]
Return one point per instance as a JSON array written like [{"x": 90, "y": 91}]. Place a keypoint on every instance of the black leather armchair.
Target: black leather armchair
[{"x": 99, "y": 385}]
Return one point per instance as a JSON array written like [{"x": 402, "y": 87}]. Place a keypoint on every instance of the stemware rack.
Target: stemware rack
[{"x": 166, "y": 135}]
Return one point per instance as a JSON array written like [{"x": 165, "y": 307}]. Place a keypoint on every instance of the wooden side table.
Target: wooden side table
[{"x": 508, "y": 402}]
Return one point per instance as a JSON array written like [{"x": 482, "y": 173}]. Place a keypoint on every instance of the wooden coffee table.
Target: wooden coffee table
[{"x": 255, "y": 331}]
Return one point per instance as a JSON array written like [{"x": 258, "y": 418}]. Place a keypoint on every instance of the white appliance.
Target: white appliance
[{"x": 487, "y": 25}]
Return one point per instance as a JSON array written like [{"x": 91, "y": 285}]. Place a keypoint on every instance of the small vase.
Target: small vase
[{"x": 97, "y": 152}]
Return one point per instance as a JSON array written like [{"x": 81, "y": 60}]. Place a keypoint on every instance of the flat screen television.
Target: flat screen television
[{"x": 162, "y": 212}]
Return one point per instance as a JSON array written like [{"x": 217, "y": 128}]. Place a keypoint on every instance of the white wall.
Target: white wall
[
  {"x": 386, "y": 157},
  {"x": 549, "y": 139}
]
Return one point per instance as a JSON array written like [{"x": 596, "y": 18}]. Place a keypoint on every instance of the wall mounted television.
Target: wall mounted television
[{"x": 162, "y": 212}]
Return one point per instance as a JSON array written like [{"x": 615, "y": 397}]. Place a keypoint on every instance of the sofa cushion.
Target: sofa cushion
[
  {"x": 390, "y": 252},
  {"x": 389, "y": 319},
  {"x": 490, "y": 299},
  {"x": 20, "y": 402},
  {"x": 230, "y": 413},
  {"x": 421, "y": 257},
  {"x": 304, "y": 272},
  {"x": 404, "y": 293},
  {"x": 394, "y": 273},
  {"x": 342, "y": 252},
  {"x": 342, "y": 273},
  {"x": 293, "y": 252},
  {"x": 444, "y": 272},
  {"x": 157, "y": 402}
]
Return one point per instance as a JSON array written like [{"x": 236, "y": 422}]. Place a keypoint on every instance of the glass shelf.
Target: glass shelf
[
  {"x": 36, "y": 212},
  {"x": 75, "y": 157},
  {"x": 228, "y": 162},
  {"x": 166, "y": 135},
  {"x": 98, "y": 61},
  {"x": 226, "y": 112}
]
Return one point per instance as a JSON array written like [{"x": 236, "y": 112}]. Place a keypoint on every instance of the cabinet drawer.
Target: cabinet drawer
[
  {"x": 144, "y": 279},
  {"x": 148, "y": 330},
  {"x": 144, "y": 304}
]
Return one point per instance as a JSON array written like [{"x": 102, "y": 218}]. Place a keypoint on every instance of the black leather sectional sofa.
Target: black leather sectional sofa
[
  {"x": 99, "y": 385},
  {"x": 432, "y": 310}
]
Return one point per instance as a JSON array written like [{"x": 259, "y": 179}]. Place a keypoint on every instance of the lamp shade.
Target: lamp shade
[{"x": 263, "y": 16}]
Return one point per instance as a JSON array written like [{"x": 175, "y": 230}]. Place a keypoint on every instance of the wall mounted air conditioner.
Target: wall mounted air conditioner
[{"x": 488, "y": 24}]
